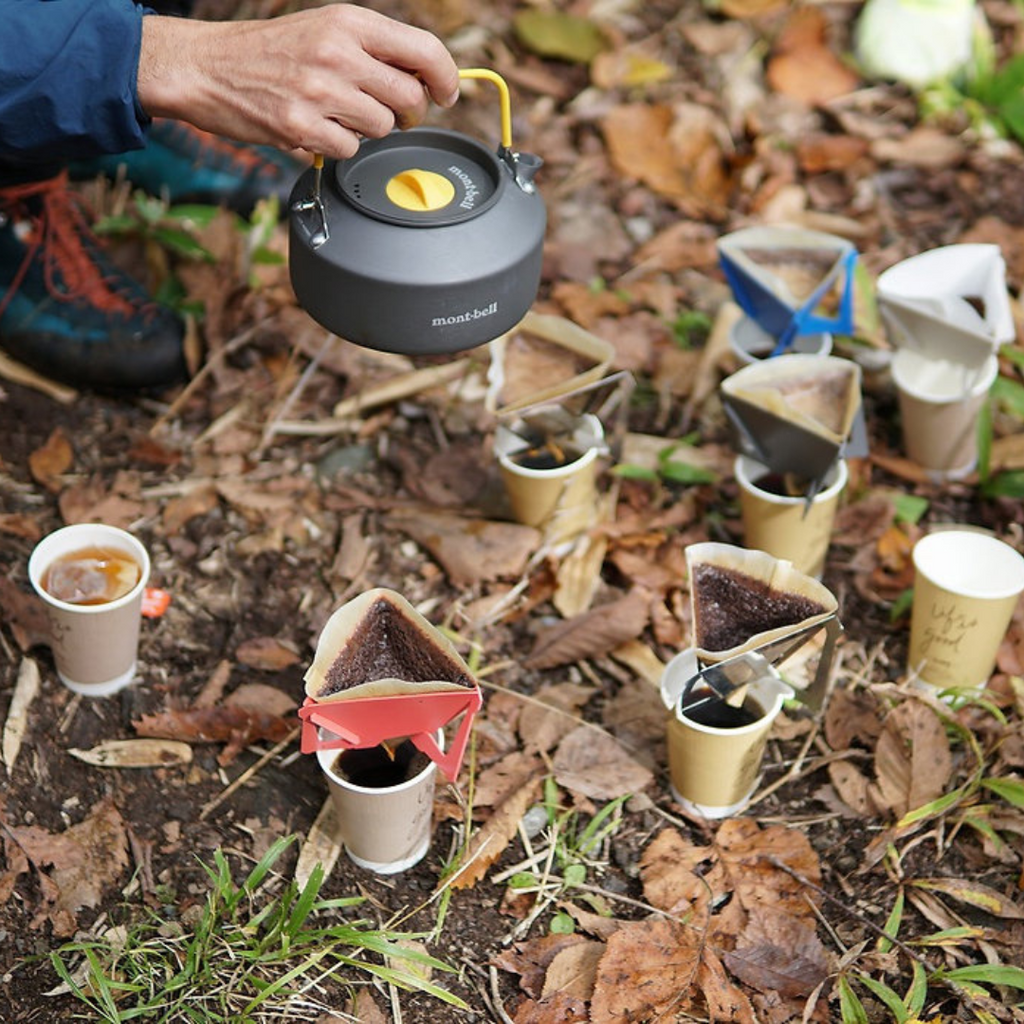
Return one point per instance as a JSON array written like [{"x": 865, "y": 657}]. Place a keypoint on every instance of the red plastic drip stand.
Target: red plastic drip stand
[{"x": 368, "y": 721}]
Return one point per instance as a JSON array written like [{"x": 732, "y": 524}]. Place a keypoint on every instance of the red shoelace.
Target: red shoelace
[{"x": 60, "y": 230}]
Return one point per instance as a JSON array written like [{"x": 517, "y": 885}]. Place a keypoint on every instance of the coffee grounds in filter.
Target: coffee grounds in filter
[{"x": 731, "y": 607}]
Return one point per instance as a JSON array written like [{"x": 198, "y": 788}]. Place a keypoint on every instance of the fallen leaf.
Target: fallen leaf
[
  {"x": 266, "y": 653},
  {"x": 820, "y": 152},
  {"x": 552, "y": 714},
  {"x": 471, "y": 551},
  {"x": 555, "y": 1009},
  {"x": 83, "y": 861},
  {"x": 593, "y": 764},
  {"x": 261, "y": 697},
  {"x": 25, "y": 614},
  {"x": 48, "y": 463},
  {"x": 725, "y": 1000},
  {"x": 147, "y": 753},
  {"x": 530, "y": 960},
  {"x": 778, "y": 952},
  {"x": 235, "y": 726},
  {"x": 852, "y": 787},
  {"x": 499, "y": 780},
  {"x": 26, "y": 689},
  {"x": 574, "y": 970},
  {"x": 488, "y": 843},
  {"x": 595, "y": 632},
  {"x": 647, "y": 970},
  {"x": 924, "y": 147},
  {"x": 632, "y": 67},
  {"x": 803, "y": 66},
  {"x": 559, "y": 35},
  {"x": 362, "y": 1009},
  {"x": 322, "y": 845},
  {"x": 20, "y": 524},
  {"x": 195, "y": 502},
  {"x": 852, "y": 716},
  {"x": 912, "y": 758}
]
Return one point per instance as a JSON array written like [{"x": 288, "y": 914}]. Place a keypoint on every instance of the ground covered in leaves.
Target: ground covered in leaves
[{"x": 296, "y": 471}]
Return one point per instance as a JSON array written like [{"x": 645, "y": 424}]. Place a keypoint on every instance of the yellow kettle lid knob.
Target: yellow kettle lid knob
[{"x": 420, "y": 191}]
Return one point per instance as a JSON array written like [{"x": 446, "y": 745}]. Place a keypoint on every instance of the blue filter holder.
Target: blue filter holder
[{"x": 751, "y": 260}]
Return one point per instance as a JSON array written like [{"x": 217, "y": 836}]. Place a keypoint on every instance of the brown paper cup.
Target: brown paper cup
[
  {"x": 966, "y": 588},
  {"x": 386, "y": 829},
  {"x": 939, "y": 404},
  {"x": 784, "y": 526},
  {"x": 714, "y": 771},
  {"x": 94, "y": 646},
  {"x": 751, "y": 343},
  {"x": 562, "y": 502}
]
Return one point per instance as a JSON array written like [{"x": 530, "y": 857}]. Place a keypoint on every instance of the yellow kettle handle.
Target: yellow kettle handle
[{"x": 506, "y": 104}]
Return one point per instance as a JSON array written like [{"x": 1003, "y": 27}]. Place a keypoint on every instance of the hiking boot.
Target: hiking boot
[
  {"x": 66, "y": 309},
  {"x": 186, "y": 165}
]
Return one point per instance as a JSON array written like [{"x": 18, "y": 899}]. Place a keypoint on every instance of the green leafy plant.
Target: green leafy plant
[
  {"x": 670, "y": 467},
  {"x": 567, "y": 860},
  {"x": 249, "y": 953}
]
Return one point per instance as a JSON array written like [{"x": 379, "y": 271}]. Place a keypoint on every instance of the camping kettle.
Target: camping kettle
[{"x": 424, "y": 242}]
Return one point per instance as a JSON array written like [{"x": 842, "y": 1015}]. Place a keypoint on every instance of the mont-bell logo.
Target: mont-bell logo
[{"x": 465, "y": 318}]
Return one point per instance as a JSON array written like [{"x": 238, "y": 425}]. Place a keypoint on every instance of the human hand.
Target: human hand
[{"x": 316, "y": 80}]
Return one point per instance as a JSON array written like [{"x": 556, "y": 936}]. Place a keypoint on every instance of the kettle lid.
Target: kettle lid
[{"x": 422, "y": 177}]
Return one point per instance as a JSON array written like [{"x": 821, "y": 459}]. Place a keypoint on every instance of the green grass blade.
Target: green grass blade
[
  {"x": 892, "y": 924},
  {"x": 884, "y": 994},
  {"x": 850, "y": 1007}
]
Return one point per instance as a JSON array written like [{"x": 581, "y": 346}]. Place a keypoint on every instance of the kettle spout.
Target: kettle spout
[{"x": 523, "y": 167}]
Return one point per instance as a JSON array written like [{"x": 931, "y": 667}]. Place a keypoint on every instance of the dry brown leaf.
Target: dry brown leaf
[
  {"x": 930, "y": 148},
  {"x": 266, "y": 653},
  {"x": 573, "y": 970},
  {"x": 778, "y": 953},
  {"x": 673, "y": 150},
  {"x": 195, "y": 502},
  {"x": 725, "y": 1000},
  {"x": 593, "y": 764},
  {"x": 19, "y": 524},
  {"x": 852, "y": 716},
  {"x": 24, "y": 614},
  {"x": 803, "y": 66},
  {"x": 471, "y": 551},
  {"x": 912, "y": 758},
  {"x": 684, "y": 245},
  {"x": 586, "y": 305},
  {"x": 751, "y": 8},
  {"x": 667, "y": 870},
  {"x": 322, "y": 845},
  {"x": 26, "y": 689},
  {"x": 148, "y": 753},
  {"x": 235, "y": 726},
  {"x": 556, "y": 1009},
  {"x": 83, "y": 861},
  {"x": 819, "y": 153},
  {"x": 530, "y": 960},
  {"x": 262, "y": 697},
  {"x": 48, "y": 463},
  {"x": 852, "y": 787},
  {"x": 593, "y": 633},
  {"x": 648, "y": 969},
  {"x": 598, "y": 925},
  {"x": 636, "y": 717},
  {"x": 91, "y": 502},
  {"x": 552, "y": 714},
  {"x": 488, "y": 843},
  {"x": 498, "y": 781}
]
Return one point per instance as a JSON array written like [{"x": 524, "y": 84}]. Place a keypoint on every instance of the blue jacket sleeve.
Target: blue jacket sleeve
[{"x": 68, "y": 79}]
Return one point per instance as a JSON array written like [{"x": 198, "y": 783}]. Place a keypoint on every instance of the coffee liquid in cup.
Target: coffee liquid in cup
[
  {"x": 373, "y": 768},
  {"x": 93, "y": 575},
  {"x": 717, "y": 714}
]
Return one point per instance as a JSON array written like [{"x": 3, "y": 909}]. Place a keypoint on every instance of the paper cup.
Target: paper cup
[
  {"x": 385, "y": 829},
  {"x": 95, "y": 646},
  {"x": 750, "y": 343},
  {"x": 966, "y": 588},
  {"x": 783, "y": 526},
  {"x": 714, "y": 771},
  {"x": 560, "y": 501},
  {"x": 939, "y": 403}
]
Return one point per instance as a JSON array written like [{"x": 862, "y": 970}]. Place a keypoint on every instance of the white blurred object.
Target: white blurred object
[{"x": 918, "y": 42}]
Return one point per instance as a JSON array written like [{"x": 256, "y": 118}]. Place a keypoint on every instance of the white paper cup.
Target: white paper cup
[
  {"x": 966, "y": 588},
  {"x": 783, "y": 526},
  {"x": 750, "y": 343},
  {"x": 939, "y": 405},
  {"x": 95, "y": 646},
  {"x": 385, "y": 829}
]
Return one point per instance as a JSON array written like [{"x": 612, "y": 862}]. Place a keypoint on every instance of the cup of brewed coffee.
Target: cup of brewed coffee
[{"x": 92, "y": 578}]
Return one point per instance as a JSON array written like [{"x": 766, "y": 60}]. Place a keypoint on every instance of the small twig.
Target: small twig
[
  {"x": 856, "y": 914},
  {"x": 499, "y": 1006},
  {"x": 248, "y": 773}
]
